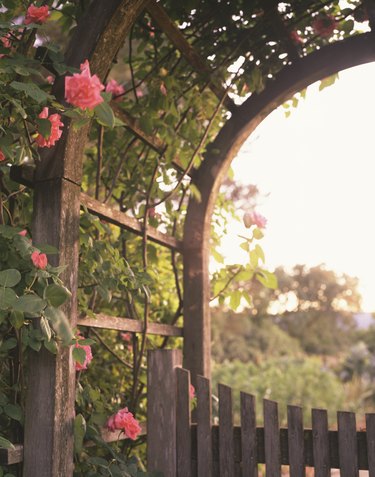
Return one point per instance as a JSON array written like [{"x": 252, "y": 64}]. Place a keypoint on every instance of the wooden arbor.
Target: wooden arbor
[{"x": 57, "y": 182}]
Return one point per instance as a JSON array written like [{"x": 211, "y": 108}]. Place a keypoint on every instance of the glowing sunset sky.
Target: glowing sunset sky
[{"x": 319, "y": 167}]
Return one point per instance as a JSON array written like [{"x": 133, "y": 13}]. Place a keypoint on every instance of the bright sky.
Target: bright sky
[{"x": 319, "y": 167}]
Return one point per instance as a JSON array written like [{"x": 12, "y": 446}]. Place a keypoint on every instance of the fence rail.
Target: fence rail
[{"x": 207, "y": 449}]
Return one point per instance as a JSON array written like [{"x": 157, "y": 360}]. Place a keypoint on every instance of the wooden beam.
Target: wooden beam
[
  {"x": 123, "y": 220},
  {"x": 126, "y": 324},
  {"x": 11, "y": 456},
  {"x": 334, "y": 57},
  {"x": 334, "y": 461},
  {"x": 133, "y": 125},
  {"x": 49, "y": 413},
  {"x": 161, "y": 410},
  {"x": 161, "y": 17}
]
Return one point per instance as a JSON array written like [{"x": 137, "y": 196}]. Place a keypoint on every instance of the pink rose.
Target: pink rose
[
  {"x": 127, "y": 337},
  {"x": 324, "y": 25},
  {"x": 39, "y": 260},
  {"x": 5, "y": 40},
  {"x": 254, "y": 218},
  {"x": 191, "y": 391},
  {"x": 36, "y": 14},
  {"x": 125, "y": 421},
  {"x": 294, "y": 36},
  {"x": 2, "y": 156},
  {"x": 55, "y": 120},
  {"x": 82, "y": 89},
  {"x": 88, "y": 358},
  {"x": 163, "y": 89},
  {"x": 151, "y": 30},
  {"x": 115, "y": 88},
  {"x": 50, "y": 79}
]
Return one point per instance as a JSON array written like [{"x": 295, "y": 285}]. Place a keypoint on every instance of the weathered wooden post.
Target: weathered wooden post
[
  {"x": 161, "y": 410},
  {"x": 48, "y": 441}
]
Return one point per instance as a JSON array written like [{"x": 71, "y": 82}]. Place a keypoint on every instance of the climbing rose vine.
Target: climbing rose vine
[
  {"x": 55, "y": 134},
  {"x": 125, "y": 421},
  {"x": 83, "y": 89}
]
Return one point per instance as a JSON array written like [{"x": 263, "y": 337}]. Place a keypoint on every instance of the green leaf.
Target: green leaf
[
  {"x": 49, "y": 249},
  {"x": 260, "y": 252},
  {"x": 59, "y": 323},
  {"x": 79, "y": 432},
  {"x": 257, "y": 234},
  {"x": 245, "y": 246},
  {"x": 16, "y": 319},
  {"x": 330, "y": 80},
  {"x": 44, "y": 127},
  {"x": 5, "y": 444},
  {"x": 7, "y": 298},
  {"x": 79, "y": 354},
  {"x": 51, "y": 346},
  {"x": 235, "y": 299},
  {"x": 104, "y": 115},
  {"x": 31, "y": 90},
  {"x": 13, "y": 411},
  {"x": 56, "y": 294},
  {"x": 267, "y": 279},
  {"x": 254, "y": 258},
  {"x": 31, "y": 304},
  {"x": 45, "y": 328},
  {"x": 10, "y": 277},
  {"x": 8, "y": 344}
]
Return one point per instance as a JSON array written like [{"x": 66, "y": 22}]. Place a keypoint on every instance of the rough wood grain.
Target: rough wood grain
[
  {"x": 271, "y": 438},
  {"x": 296, "y": 441},
  {"x": 161, "y": 410},
  {"x": 248, "y": 436},
  {"x": 127, "y": 324},
  {"x": 226, "y": 443},
  {"x": 370, "y": 434},
  {"x": 347, "y": 444},
  {"x": 183, "y": 424},
  {"x": 11, "y": 456},
  {"x": 204, "y": 438},
  {"x": 161, "y": 17},
  {"x": 370, "y": 441},
  {"x": 51, "y": 379},
  {"x": 320, "y": 442},
  {"x": 123, "y": 220},
  {"x": 283, "y": 436}
]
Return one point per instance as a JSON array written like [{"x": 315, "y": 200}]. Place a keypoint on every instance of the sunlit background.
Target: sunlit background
[{"x": 318, "y": 167}]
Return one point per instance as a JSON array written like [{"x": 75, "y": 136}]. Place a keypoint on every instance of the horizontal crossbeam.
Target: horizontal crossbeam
[
  {"x": 123, "y": 220},
  {"x": 127, "y": 324},
  {"x": 161, "y": 17}
]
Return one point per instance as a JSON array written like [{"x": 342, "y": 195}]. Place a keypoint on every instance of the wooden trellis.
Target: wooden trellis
[{"x": 57, "y": 182}]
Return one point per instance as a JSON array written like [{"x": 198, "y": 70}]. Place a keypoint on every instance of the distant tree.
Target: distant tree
[
  {"x": 247, "y": 338},
  {"x": 316, "y": 306},
  {"x": 301, "y": 381}
]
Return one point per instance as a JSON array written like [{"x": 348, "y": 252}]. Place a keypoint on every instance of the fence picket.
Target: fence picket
[
  {"x": 204, "y": 438},
  {"x": 296, "y": 441},
  {"x": 320, "y": 442},
  {"x": 226, "y": 441},
  {"x": 183, "y": 431},
  {"x": 370, "y": 434},
  {"x": 248, "y": 436},
  {"x": 347, "y": 444},
  {"x": 272, "y": 438}
]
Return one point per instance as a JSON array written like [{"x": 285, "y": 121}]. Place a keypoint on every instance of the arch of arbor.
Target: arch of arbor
[{"x": 260, "y": 33}]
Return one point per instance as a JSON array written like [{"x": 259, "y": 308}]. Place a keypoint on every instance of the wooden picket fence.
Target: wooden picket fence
[{"x": 184, "y": 447}]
